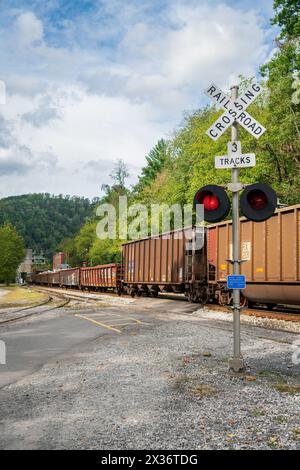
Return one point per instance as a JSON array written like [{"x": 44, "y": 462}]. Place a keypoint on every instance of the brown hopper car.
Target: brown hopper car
[
  {"x": 167, "y": 263},
  {"x": 270, "y": 251}
]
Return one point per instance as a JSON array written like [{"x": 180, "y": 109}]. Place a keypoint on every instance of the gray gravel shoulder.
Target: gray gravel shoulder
[{"x": 164, "y": 386}]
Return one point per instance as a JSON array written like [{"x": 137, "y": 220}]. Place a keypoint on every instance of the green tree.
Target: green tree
[
  {"x": 120, "y": 174},
  {"x": 287, "y": 17},
  {"x": 282, "y": 140},
  {"x": 156, "y": 159},
  {"x": 44, "y": 220},
  {"x": 11, "y": 252}
]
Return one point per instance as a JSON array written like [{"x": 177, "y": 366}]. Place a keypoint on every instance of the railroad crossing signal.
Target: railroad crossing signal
[
  {"x": 258, "y": 202},
  {"x": 234, "y": 111},
  {"x": 255, "y": 201},
  {"x": 235, "y": 158},
  {"x": 215, "y": 202}
]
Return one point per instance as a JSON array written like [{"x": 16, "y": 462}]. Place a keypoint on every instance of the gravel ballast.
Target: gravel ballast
[{"x": 162, "y": 385}]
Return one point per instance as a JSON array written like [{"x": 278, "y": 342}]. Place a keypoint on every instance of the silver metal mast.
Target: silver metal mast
[{"x": 236, "y": 363}]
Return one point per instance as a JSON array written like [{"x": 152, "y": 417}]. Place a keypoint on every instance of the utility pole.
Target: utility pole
[{"x": 237, "y": 362}]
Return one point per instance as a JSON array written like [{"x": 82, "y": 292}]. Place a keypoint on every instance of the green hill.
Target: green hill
[{"x": 44, "y": 220}]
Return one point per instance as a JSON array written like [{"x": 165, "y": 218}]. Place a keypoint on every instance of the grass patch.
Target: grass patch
[
  {"x": 287, "y": 388},
  {"x": 273, "y": 442},
  {"x": 16, "y": 296},
  {"x": 280, "y": 419},
  {"x": 296, "y": 434},
  {"x": 271, "y": 374},
  {"x": 181, "y": 381},
  {"x": 258, "y": 412}
]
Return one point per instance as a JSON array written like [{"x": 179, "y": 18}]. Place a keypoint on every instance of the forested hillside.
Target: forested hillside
[
  {"x": 44, "y": 220},
  {"x": 177, "y": 168}
]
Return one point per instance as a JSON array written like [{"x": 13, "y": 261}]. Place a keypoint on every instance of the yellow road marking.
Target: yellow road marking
[
  {"x": 98, "y": 323},
  {"x": 102, "y": 317},
  {"x": 134, "y": 319},
  {"x": 112, "y": 321},
  {"x": 124, "y": 324},
  {"x": 120, "y": 317}
]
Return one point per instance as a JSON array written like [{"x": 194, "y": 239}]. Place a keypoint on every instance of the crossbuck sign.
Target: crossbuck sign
[{"x": 234, "y": 111}]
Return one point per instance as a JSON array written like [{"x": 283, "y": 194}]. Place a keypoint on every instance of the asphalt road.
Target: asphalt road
[
  {"x": 32, "y": 342},
  {"x": 145, "y": 374}
]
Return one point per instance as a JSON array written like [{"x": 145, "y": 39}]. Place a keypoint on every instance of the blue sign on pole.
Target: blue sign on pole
[{"x": 236, "y": 281}]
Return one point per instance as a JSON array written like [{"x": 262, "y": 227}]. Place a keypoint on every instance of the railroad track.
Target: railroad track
[
  {"x": 77, "y": 295},
  {"x": 53, "y": 302},
  {"x": 286, "y": 314}
]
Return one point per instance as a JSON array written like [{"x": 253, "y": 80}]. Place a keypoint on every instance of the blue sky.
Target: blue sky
[{"x": 92, "y": 81}]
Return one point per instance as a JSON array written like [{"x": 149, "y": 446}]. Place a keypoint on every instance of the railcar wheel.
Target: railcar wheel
[
  {"x": 225, "y": 298},
  {"x": 243, "y": 302},
  {"x": 132, "y": 293},
  {"x": 204, "y": 295}
]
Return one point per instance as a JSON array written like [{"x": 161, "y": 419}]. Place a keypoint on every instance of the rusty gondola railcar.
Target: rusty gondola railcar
[
  {"x": 69, "y": 277},
  {"x": 41, "y": 278},
  {"x": 270, "y": 252},
  {"x": 53, "y": 278},
  {"x": 102, "y": 277}
]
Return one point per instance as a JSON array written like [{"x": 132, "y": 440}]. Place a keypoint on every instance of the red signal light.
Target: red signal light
[
  {"x": 215, "y": 202},
  {"x": 210, "y": 202},
  {"x": 257, "y": 199},
  {"x": 258, "y": 202}
]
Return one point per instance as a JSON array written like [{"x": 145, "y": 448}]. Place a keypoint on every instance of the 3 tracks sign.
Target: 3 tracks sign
[{"x": 235, "y": 158}]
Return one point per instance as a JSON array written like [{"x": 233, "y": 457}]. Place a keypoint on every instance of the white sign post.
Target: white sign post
[{"x": 234, "y": 114}]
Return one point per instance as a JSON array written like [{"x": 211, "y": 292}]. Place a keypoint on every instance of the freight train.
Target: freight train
[{"x": 270, "y": 259}]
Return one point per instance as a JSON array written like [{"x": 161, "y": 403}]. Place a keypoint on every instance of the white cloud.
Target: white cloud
[
  {"x": 86, "y": 106},
  {"x": 29, "y": 29}
]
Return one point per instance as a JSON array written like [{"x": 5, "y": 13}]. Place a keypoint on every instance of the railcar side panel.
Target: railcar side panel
[
  {"x": 103, "y": 276},
  {"x": 159, "y": 263},
  {"x": 270, "y": 251},
  {"x": 70, "y": 277}
]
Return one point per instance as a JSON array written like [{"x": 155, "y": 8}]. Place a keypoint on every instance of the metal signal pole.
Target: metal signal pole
[{"x": 237, "y": 362}]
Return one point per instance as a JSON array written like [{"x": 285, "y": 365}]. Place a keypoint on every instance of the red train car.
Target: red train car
[{"x": 106, "y": 276}]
